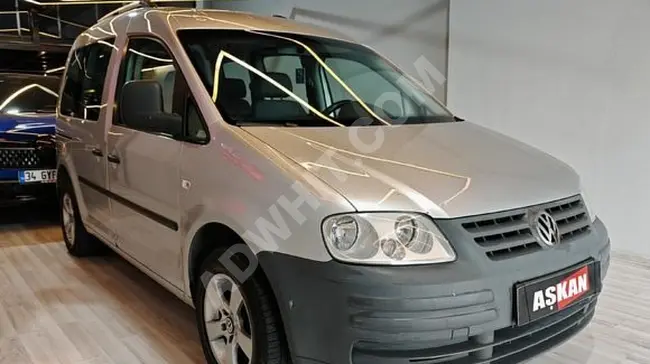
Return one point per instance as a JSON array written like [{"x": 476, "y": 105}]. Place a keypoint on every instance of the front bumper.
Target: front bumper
[
  {"x": 13, "y": 193},
  {"x": 460, "y": 312},
  {"x": 33, "y": 155}
]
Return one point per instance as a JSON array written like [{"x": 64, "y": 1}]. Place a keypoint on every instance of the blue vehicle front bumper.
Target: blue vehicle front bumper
[{"x": 12, "y": 191}]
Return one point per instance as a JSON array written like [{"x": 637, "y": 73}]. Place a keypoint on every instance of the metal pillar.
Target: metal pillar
[
  {"x": 58, "y": 22},
  {"x": 34, "y": 26},
  {"x": 18, "y": 24}
]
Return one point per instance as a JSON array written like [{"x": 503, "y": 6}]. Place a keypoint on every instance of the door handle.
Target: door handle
[
  {"x": 113, "y": 158},
  {"x": 97, "y": 152}
]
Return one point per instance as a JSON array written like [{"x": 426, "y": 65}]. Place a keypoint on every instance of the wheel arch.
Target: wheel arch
[
  {"x": 208, "y": 238},
  {"x": 67, "y": 171}
]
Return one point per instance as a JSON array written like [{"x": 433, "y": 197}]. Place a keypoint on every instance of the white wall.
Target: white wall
[
  {"x": 570, "y": 77},
  {"x": 404, "y": 33}
]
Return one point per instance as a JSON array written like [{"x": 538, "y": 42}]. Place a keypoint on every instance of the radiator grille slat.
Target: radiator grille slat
[
  {"x": 498, "y": 226},
  {"x": 506, "y": 235},
  {"x": 19, "y": 158}
]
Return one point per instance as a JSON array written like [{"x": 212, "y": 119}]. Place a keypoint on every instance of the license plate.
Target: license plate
[
  {"x": 553, "y": 293},
  {"x": 37, "y": 176}
]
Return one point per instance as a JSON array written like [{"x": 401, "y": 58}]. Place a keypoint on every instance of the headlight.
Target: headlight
[{"x": 386, "y": 239}]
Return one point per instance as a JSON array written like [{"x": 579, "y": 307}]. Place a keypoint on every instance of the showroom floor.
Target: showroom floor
[{"x": 55, "y": 309}]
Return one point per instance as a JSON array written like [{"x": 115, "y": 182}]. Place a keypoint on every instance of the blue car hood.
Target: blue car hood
[{"x": 25, "y": 128}]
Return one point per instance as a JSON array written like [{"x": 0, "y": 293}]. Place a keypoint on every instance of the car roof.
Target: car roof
[{"x": 161, "y": 21}]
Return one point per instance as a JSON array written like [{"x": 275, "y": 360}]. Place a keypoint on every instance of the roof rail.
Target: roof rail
[{"x": 128, "y": 7}]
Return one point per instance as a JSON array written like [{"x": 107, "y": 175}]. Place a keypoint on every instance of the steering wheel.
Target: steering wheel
[
  {"x": 339, "y": 104},
  {"x": 336, "y": 106}
]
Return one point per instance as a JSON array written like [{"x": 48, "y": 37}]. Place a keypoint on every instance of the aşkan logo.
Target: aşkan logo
[{"x": 563, "y": 293}]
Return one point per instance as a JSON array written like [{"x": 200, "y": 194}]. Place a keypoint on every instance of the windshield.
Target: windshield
[
  {"x": 20, "y": 94},
  {"x": 260, "y": 78}
]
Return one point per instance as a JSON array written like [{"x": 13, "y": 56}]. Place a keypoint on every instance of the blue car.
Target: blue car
[{"x": 27, "y": 129}]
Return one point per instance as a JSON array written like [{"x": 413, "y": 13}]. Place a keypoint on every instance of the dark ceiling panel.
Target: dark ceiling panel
[
  {"x": 31, "y": 61},
  {"x": 58, "y": 19},
  {"x": 58, "y": 24}
]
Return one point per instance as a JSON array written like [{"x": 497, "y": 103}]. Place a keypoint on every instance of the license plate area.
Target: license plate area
[
  {"x": 544, "y": 296},
  {"x": 37, "y": 176}
]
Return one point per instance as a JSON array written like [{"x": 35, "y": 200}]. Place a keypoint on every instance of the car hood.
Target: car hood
[
  {"x": 24, "y": 128},
  {"x": 445, "y": 169}
]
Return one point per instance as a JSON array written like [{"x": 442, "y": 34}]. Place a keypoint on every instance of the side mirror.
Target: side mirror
[{"x": 141, "y": 108}]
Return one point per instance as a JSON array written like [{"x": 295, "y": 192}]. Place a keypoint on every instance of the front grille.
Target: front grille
[
  {"x": 19, "y": 158},
  {"x": 510, "y": 345},
  {"x": 508, "y": 234}
]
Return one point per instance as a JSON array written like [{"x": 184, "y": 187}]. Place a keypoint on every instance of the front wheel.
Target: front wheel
[{"x": 238, "y": 322}]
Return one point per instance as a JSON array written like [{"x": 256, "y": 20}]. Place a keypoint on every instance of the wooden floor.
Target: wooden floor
[{"x": 60, "y": 310}]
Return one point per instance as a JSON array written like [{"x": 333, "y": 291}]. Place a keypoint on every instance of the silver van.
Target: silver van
[{"x": 312, "y": 202}]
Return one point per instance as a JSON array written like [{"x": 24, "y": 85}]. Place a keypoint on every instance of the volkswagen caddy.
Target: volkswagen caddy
[{"x": 312, "y": 202}]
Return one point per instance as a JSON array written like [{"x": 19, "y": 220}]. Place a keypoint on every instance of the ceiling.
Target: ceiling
[{"x": 35, "y": 35}]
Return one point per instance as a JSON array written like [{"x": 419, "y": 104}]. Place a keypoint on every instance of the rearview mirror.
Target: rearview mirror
[{"x": 141, "y": 108}]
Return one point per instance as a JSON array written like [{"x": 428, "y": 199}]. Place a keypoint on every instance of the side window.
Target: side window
[
  {"x": 147, "y": 59},
  {"x": 84, "y": 83}
]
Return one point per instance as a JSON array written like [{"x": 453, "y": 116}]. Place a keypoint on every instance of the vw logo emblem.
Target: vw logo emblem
[{"x": 546, "y": 229}]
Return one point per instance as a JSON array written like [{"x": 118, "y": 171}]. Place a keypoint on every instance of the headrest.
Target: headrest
[
  {"x": 265, "y": 89},
  {"x": 232, "y": 88}
]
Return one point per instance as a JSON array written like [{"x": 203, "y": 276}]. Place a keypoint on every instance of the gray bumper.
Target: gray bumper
[{"x": 460, "y": 312}]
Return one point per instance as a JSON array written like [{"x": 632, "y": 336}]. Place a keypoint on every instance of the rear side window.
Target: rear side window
[{"x": 84, "y": 81}]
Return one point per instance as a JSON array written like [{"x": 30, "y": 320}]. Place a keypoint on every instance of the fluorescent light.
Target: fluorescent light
[
  {"x": 166, "y": 67},
  {"x": 55, "y": 70},
  {"x": 22, "y": 90},
  {"x": 151, "y": 57}
]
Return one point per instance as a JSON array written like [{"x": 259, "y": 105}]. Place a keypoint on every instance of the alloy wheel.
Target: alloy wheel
[
  {"x": 68, "y": 218},
  {"x": 227, "y": 321}
]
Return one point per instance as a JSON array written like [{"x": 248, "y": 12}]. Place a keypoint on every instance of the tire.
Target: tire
[
  {"x": 77, "y": 240},
  {"x": 264, "y": 325}
]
